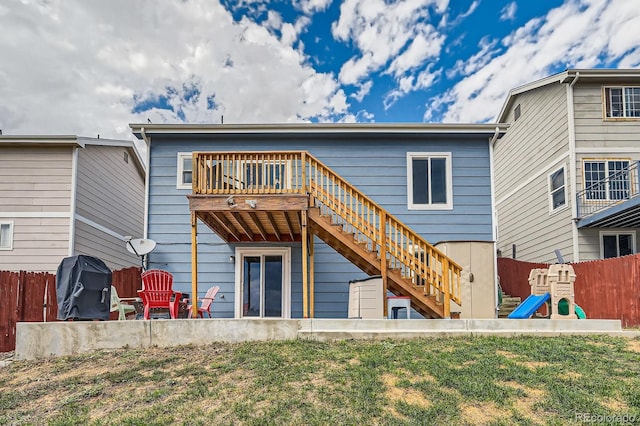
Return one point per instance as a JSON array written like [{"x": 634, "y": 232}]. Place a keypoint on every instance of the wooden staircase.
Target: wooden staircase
[
  {"x": 287, "y": 196},
  {"x": 509, "y": 304},
  {"x": 369, "y": 262},
  {"x": 379, "y": 244}
]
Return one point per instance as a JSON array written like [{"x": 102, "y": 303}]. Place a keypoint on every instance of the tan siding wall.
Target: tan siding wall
[
  {"x": 592, "y": 131},
  {"x": 604, "y": 139},
  {"x": 534, "y": 146},
  {"x": 39, "y": 244},
  {"x": 536, "y": 233},
  {"x": 35, "y": 179},
  {"x": 538, "y": 137},
  {"x": 110, "y": 192},
  {"x": 93, "y": 242}
]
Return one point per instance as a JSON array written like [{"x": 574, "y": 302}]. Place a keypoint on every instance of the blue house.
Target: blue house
[{"x": 282, "y": 217}]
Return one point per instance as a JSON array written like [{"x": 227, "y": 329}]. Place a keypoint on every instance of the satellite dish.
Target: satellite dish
[{"x": 140, "y": 246}]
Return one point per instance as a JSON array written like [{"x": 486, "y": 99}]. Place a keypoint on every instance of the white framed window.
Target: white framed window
[
  {"x": 185, "y": 172},
  {"x": 557, "y": 190},
  {"x": 6, "y": 235},
  {"x": 616, "y": 244},
  {"x": 429, "y": 181},
  {"x": 607, "y": 179},
  {"x": 622, "y": 102}
]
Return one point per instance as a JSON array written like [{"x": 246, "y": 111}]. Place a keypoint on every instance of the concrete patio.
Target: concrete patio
[{"x": 41, "y": 340}]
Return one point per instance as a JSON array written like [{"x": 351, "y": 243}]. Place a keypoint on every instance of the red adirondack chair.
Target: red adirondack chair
[
  {"x": 206, "y": 302},
  {"x": 157, "y": 292}
]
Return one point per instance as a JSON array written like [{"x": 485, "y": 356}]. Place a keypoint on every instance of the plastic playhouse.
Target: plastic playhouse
[{"x": 555, "y": 287}]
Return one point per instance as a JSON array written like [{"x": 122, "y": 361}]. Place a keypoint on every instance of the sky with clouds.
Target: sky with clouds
[{"x": 90, "y": 67}]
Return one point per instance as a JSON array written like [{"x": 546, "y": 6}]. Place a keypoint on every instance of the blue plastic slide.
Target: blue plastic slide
[{"x": 529, "y": 306}]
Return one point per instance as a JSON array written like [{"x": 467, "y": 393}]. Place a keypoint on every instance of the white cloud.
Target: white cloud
[
  {"x": 311, "y": 6},
  {"x": 82, "y": 67},
  {"x": 580, "y": 33},
  {"x": 411, "y": 83},
  {"x": 458, "y": 19},
  {"x": 384, "y": 32},
  {"x": 508, "y": 13},
  {"x": 363, "y": 91},
  {"x": 417, "y": 52}
]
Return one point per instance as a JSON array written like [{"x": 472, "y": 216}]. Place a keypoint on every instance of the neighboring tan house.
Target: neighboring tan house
[
  {"x": 67, "y": 195},
  {"x": 566, "y": 171},
  {"x": 283, "y": 216}
]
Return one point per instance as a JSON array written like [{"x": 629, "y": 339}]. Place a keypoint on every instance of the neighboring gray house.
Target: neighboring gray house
[
  {"x": 283, "y": 216},
  {"x": 566, "y": 171},
  {"x": 67, "y": 195}
]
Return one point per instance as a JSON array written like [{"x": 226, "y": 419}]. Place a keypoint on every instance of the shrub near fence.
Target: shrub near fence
[
  {"x": 605, "y": 289},
  {"x": 31, "y": 297}
]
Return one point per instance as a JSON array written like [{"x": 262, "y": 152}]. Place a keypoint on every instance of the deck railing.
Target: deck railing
[
  {"x": 614, "y": 189},
  {"x": 299, "y": 172}
]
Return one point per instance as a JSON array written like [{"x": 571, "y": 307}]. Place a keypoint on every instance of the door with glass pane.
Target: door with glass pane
[{"x": 262, "y": 283}]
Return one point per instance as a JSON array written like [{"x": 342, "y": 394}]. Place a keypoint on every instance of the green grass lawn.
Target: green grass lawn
[{"x": 447, "y": 381}]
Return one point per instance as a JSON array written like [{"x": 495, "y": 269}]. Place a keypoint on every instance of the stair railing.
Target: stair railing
[{"x": 402, "y": 249}]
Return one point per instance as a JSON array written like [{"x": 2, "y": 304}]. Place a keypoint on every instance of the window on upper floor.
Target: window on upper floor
[
  {"x": 616, "y": 244},
  {"x": 557, "y": 190},
  {"x": 6, "y": 235},
  {"x": 264, "y": 175},
  {"x": 607, "y": 180},
  {"x": 429, "y": 181},
  {"x": 622, "y": 102},
  {"x": 185, "y": 173}
]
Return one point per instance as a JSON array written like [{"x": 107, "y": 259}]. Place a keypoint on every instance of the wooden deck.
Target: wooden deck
[{"x": 252, "y": 218}]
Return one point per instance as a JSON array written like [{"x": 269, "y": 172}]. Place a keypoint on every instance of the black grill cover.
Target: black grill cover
[{"x": 83, "y": 288}]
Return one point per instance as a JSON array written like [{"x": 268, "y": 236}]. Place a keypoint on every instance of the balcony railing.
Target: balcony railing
[
  {"x": 614, "y": 189},
  {"x": 300, "y": 173}
]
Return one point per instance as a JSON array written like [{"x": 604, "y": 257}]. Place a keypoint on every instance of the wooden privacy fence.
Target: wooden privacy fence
[
  {"x": 605, "y": 289},
  {"x": 31, "y": 297}
]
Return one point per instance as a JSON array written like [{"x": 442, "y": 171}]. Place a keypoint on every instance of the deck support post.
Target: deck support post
[
  {"x": 311, "y": 278},
  {"x": 383, "y": 260},
  {"x": 194, "y": 266},
  {"x": 305, "y": 277}
]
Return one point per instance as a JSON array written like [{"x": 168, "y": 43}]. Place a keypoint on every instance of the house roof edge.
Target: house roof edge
[{"x": 317, "y": 128}]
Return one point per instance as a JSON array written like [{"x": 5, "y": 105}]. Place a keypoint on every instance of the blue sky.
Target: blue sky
[{"x": 91, "y": 67}]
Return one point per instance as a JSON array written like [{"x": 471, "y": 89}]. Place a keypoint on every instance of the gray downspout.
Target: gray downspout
[
  {"x": 73, "y": 202},
  {"x": 145, "y": 231},
  {"x": 572, "y": 168}
]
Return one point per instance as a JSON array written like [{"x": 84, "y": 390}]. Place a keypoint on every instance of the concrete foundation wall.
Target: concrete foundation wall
[{"x": 42, "y": 340}]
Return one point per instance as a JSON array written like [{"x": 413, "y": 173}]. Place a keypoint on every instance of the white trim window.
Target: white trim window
[
  {"x": 6, "y": 235},
  {"x": 616, "y": 244},
  {"x": 429, "y": 181},
  {"x": 607, "y": 180},
  {"x": 185, "y": 172},
  {"x": 557, "y": 190},
  {"x": 622, "y": 102}
]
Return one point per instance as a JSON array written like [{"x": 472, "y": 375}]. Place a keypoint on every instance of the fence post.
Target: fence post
[{"x": 22, "y": 277}]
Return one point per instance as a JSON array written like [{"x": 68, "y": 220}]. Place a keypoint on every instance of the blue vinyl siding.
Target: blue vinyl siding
[{"x": 376, "y": 165}]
